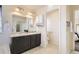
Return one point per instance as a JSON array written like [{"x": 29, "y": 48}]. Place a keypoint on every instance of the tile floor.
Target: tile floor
[
  {"x": 50, "y": 49},
  {"x": 75, "y": 52}
]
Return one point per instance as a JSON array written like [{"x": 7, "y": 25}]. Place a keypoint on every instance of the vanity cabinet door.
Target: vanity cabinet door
[
  {"x": 32, "y": 41},
  {"x": 27, "y": 42},
  {"x": 20, "y": 44},
  {"x": 17, "y": 45},
  {"x": 38, "y": 39},
  {"x": 35, "y": 40}
]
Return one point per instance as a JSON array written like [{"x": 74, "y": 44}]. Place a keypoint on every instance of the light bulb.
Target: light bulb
[
  {"x": 29, "y": 13},
  {"x": 17, "y": 9}
]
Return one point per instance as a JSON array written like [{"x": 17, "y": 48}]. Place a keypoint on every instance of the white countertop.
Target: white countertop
[{"x": 17, "y": 34}]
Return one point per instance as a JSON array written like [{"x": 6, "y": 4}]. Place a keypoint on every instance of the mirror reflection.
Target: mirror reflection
[{"x": 21, "y": 24}]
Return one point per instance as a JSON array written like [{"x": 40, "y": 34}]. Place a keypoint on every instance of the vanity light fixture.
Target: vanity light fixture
[
  {"x": 29, "y": 16},
  {"x": 17, "y": 9},
  {"x": 29, "y": 13}
]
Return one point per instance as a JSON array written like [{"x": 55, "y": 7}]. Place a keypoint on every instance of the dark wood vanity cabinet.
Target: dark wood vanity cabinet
[
  {"x": 32, "y": 41},
  {"x": 24, "y": 43},
  {"x": 38, "y": 39},
  {"x": 35, "y": 40}
]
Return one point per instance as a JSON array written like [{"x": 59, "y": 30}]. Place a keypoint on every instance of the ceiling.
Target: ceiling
[{"x": 31, "y": 8}]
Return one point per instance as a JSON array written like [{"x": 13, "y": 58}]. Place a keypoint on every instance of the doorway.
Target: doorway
[
  {"x": 76, "y": 29},
  {"x": 53, "y": 28}
]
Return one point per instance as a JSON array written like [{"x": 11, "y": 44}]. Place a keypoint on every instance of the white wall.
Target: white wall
[
  {"x": 4, "y": 36},
  {"x": 62, "y": 31},
  {"x": 66, "y": 32},
  {"x": 53, "y": 26}
]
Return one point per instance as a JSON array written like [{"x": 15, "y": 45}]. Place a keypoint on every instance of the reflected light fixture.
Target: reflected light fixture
[
  {"x": 29, "y": 16},
  {"x": 17, "y": 9},
  {"x": 29, "y": 13}
]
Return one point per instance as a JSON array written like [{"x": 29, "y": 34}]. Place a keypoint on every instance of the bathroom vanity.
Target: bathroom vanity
[
  {"x": 24, "y": 34},
  {"x": 21, "y": 42}
]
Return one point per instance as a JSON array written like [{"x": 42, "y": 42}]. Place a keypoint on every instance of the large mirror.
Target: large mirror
[{"x": 21, "y": 24}]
